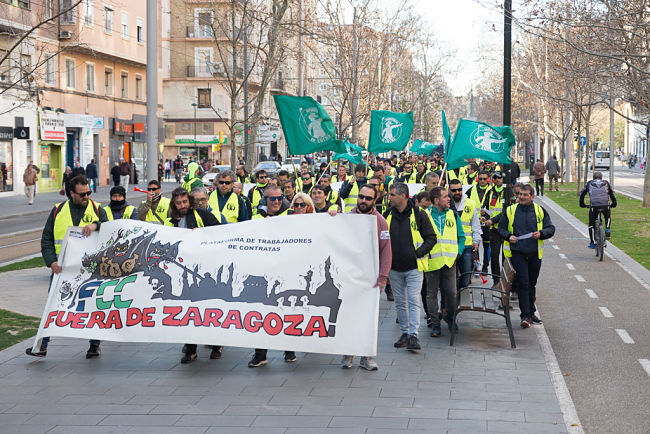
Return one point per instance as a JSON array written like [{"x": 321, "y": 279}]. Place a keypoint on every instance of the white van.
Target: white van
[{"x": 602, "y": 160}]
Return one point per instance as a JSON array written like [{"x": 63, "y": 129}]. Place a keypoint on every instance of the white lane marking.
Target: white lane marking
[
  {"x": 645, "y": 363},
  {"x": 570, "y": 267},
  {"x": 579, "y": 278},
  {"x": 625, "y": 336},
  {"x": 556, "y": 247},
  {"x": 562, "y": 255},
  {"x": 571, "y": 420},
  {"x": 591, "y": 293},
  {"x": 606, "y": 312}
]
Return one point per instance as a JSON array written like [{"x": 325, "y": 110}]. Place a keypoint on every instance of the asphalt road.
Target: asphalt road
[
  {"x": 629, "y": 181},
  {"x": 605, "y": 377}
]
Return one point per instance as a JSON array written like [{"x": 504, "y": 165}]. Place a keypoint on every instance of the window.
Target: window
[
  {"x": 322, "y": 86},
  {"x": 124, "y": 84},
  {"x": 90, "y": 77},
  {"x": 204, "y": 97},
  {"x": 322, "y": 72},
  {"x": 25, "y": 4},
  {"x": 68, "y": 10},
  {"x": 108, "y": 81},
  {"x": 139, "y": 30},
  {"x": 108, "y": 19},
  {"x": 50, "y": 69},
  {"x": 48, "y": 9},
  {"x": 125, "y": 25},
  {"x": 4, "y": 68},
  {"x": 88, "y": 13},
  {"x": 138, "y": 87},
  {"x": 204, "y": 19},
  {"x": 69, "y": 73}
]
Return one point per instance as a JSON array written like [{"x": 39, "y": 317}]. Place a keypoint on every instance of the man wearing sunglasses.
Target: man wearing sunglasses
[
  {"x": 307, "y": 182},
  {"x": 155, "y": 208},
  {"x": 79, "y": 211},
  {"x": 225, "y": 201},
  {"x": 255, "y": 194}
]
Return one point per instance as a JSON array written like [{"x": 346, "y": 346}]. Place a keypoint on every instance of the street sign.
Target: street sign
[
  {"x": 21, "y": 133},
  {"x": 583, "y": 140}
]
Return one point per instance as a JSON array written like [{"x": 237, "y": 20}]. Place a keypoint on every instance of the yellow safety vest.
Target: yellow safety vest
[
  {"x": 260, "y": 216},
  {"x": 416, "y": 237},
  {"x": 230, "y": 209},
  {"x": 474, "y": 195},
  {"x": 333, "y": 196},
  {"x": 462, "y": 174},
  {"x": 510, "y": 213},
  {"x": 255, "y": 199},
  {"x": 351, "y": 200},
  {"x": 187, "y": 185},
  {"x": 466, "y": 219},
  {"x": 63, "y": 220},
  {"x": 473, "y": 177},
  {"x": 199, "y": 220},
  {"x": 336, "y": 178},
  {"x": 127, "y": 212},
  {"x": 161, "y": 211},
  {"x": 498, "y": 206},
  {"x": 445, "y": 250},
  {"x": 410, "y": 179}
]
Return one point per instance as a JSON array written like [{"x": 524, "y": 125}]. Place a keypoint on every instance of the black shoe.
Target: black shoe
[
  {"x": 413, "y": 343},
  {"x": 184, "y": 350},
  {"x": 216, "y": 352},
  {"x": 188, "y": 357},
  {"x": 257, "y": 360},
  {"x": 535, "y": 320},
  {"x": 93, "y": 351},
  {"x": 402, "y": 341},
  {"x": 42, "y": 352},
  {"x": 389, "y": 294},
  {"x": 396, "y": 320},
  {"x": 435, "y": 333},
  {"x": 429, "y": 321},
  {"x": 289, "y": 356}
]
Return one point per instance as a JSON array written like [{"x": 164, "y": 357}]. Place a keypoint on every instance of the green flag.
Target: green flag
[
  {"x": 479, "y": 140},
  {"x": 353, "y": 154},
  {"x": 307, "y": 126},
  {"x": 389, "y": 131},
  {"x": 446, "y": 134},
  {"x": 420, "y": 147}
]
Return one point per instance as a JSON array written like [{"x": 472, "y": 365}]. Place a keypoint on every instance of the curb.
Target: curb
[
  {"x": 24, "y": 258},
  {"x": 24, "y": 214}
]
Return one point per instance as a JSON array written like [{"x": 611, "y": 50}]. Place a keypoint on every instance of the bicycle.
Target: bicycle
[{"x": 599, "y": 233}]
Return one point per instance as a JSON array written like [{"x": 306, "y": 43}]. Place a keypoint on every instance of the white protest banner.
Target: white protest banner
[
  {"x": 246, "y": 188},
  {"x": 281, "y": 283}
]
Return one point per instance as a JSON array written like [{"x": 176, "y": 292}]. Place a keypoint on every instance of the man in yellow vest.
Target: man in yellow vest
[
  {"x": 185, "y": 214},
  {"x": 469, "y": 217},
  {"x": 411, "y": 237},
  {"x": 478, "y": 193},
  {"x": 255, "y": 194},
  {"x": 494, "y": 201},
  {"x": 227, "y": 202},
  {"x": 331, "y": 195},
  {"x": 192, "y": 179},
  {"x": 80, "y": 211},
  {"x": 350, "y": 188},
  {"x": 408, "y": 175},
  {"x": 118, "y": 208},
  {"x": 441, "y": 268},
  {"x": 523, "y": 227},
  {"x": 420, "y": 172},
  {"x": 341, "y": 173},
  {"x": 155, "y": 208}
]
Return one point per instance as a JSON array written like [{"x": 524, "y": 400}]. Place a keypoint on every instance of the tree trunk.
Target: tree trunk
[
  {"x": 646, "y": 187},
  {"x": 233, "y": 87}
]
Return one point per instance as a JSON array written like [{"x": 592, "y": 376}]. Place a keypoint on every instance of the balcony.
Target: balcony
[
  {"x": 277, "y": 84},
  {"x": 199, "y": 32},
  {"x": 198, "y": 71}
]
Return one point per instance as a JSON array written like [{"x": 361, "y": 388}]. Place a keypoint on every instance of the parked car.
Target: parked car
[
  {"x": 271, "y": 167},
  {"x": 288, "y": 166},
  {"x": 208, "y": 178}
]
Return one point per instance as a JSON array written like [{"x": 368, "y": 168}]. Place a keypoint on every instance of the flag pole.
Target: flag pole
[
  {"x": 444, "y": 172},
  {"x": 295, "y": 171},
  {"x": 324, "y": 171}
]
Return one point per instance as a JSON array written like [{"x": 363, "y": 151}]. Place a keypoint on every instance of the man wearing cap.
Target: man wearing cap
[{"x": 118, "y": 208}]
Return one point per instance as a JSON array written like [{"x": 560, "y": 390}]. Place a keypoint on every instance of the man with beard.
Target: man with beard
[
  {"x": 469, "y": 218},
  {"x": 366, "y": 205},
  {"x": 242, "y": 176},
  {"x": 407, "y": 176},
  {"x": 118, "y": 208},
  {"x": 155, "y": 208},
  {"x": 185, "y": 214},
  {"x": 255, "y": 194},
  {"x": 225, "y": 201}
]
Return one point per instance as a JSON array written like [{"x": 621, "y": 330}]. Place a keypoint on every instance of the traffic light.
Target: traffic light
[
  {"x": 215, "y": 148},
  {"x": 220, "y": 137}
]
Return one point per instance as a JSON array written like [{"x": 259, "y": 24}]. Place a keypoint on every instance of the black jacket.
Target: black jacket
[
  {"x": 401, "y": 241},
  {"x": 91, "y": 171},
  {"x": 346, "y": 187},
  {"x": 208, "y": 219},
  {"x": 47, "y": 238},
  {"x": 525, "y": 222}
]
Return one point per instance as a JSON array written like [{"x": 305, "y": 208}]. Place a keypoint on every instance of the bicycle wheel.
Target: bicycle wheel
[
  {"x": 601, "y": 242},
  {"x": 596, "y": 237}
]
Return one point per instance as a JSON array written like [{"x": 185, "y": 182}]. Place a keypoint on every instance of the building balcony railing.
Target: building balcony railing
[
  {"x": 199, "y": 32},
  {"x": 198, "y": 71}
]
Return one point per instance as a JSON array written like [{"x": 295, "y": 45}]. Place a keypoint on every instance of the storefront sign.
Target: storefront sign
[
  {"x": 6, "y": 133},
  {"x": 200, "y": 140},
  {"x": 122, "y": 127},
  {"x": 98, "y": 122},
  {"x": 21, "y": 133},
  {"x": 73, "y": 120},
  {"x": 52, "y": 126},
  {"x": 138, "y": 127}
]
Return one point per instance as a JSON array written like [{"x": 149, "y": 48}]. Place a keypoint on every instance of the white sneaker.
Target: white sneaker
[
  {"x": 369, "y": 364},
  {"x": 346, "y": 362}
]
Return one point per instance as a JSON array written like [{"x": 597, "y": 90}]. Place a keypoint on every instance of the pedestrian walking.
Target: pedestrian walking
[
  {"x": 412, "y": 238},
  {"x": 115, "y": 174},
  {"x": 539, "y": 170},
  {"x": 78, "y": 170},
  {"x": 65, "y": 182},
  {"x": 553, "y": 171},
  {"x": 441, "y": 267},
  {"x": 125, "y": 172},
  {"x": 168, "y": 169},
  {"x": 366, "y": 205},
  {"x": 523, "y": 228},
  {"x": 30, "y": 177},
  {"x": 178, "y": 169},
  {"x": 92, "y": 175},
  {"x": 80, "y": 211}
]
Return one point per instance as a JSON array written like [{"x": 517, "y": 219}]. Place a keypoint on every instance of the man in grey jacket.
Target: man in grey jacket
[{"x": 553, "y": 170}]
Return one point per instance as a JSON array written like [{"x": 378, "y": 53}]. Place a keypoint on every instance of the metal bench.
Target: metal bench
[{"x": 482, "y": 299}]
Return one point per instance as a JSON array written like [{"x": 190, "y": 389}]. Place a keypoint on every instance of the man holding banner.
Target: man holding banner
[
  {"x": 80, "y": 211},
  {"x": 350, "y": 188}
]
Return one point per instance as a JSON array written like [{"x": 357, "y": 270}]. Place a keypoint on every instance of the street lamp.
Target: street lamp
[{"x": 196, "y": 148}]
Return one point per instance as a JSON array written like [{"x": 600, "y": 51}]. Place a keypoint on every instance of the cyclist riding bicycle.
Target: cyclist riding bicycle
[{"x": 600, "y": 193}]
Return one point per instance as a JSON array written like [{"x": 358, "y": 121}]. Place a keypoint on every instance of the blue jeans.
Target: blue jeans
[
  {"x": 465, "y": 266},
  {"x": 407, "y": 286},
  {"x": 46, "y": 340}
]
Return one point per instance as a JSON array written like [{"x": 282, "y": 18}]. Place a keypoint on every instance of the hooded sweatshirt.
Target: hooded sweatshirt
[{"x": 191, "y": 179}]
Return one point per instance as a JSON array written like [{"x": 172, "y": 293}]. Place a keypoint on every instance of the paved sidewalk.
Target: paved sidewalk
[{"x": 479, "y": 385}]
